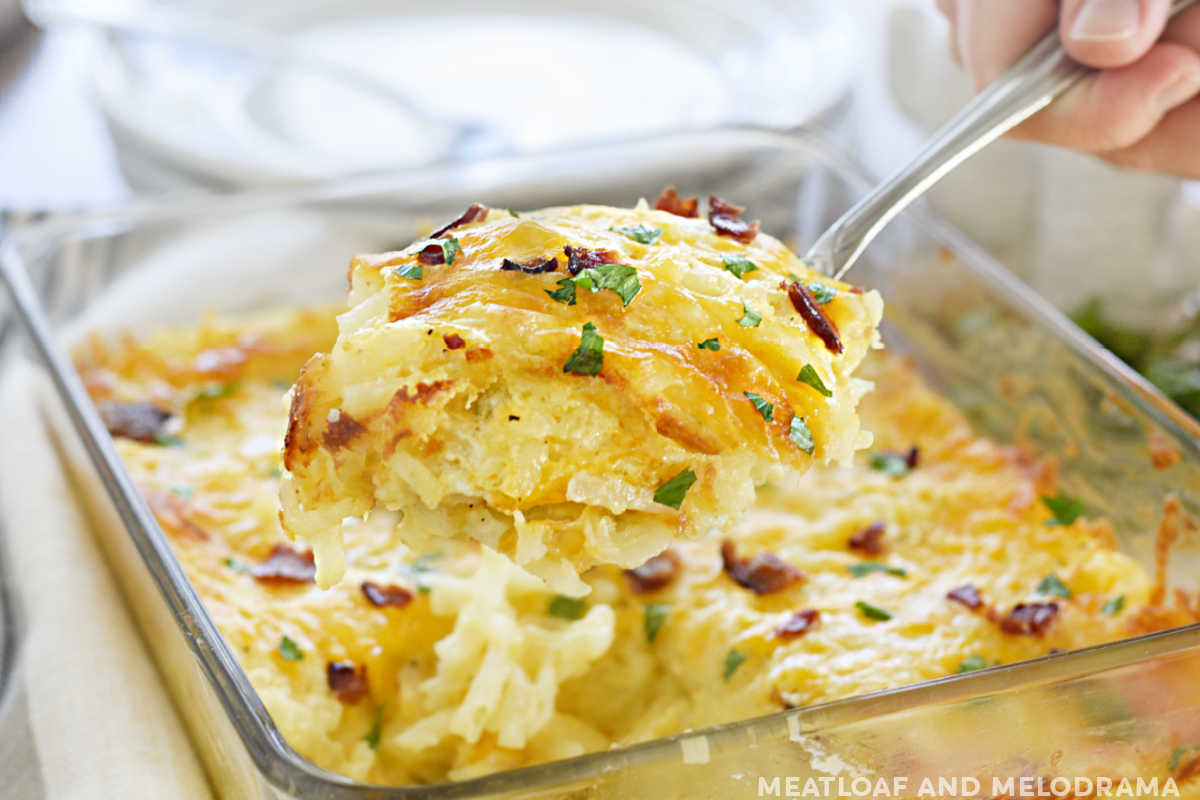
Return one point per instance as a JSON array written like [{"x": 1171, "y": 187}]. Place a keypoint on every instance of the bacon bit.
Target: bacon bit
[
  {"x": 454, "y": 342},
  {"x": 672, "y": 203},
  {"x": 967, "y": 595},
  {"x": 432, "y": 254},
  {"x": 549, "y": 265},
  {"x": 1029, "y": 619},
  {"x": 341, "y": 430},
  {"x": 766, "y": 573},
  {"x": 142, "y": 422},
  {"x": 814, "y": 316},
  {"x": 869, "y": 540},
  {"x": 799, "y": 624},
  {"x": 382, "y": 596},
  {"x": 656, "y": 573},
  {"x": 347, "y": 680},
  {"x": 580, "y": 258},
  {"x": 474, "y": 212},
  {"x": 421, "y": 394},
  {"x": 479, "y": 354},
  {"x": 724, "y": 219},
  {"x": 285, "y": 565}
]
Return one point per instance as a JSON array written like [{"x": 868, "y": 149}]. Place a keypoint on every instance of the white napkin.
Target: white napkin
[{"x": 87, "y": 716}]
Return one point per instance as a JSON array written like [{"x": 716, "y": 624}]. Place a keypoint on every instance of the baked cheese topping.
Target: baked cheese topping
[
  {"x": 427, "y": 665},
  {"x": 572, "y": 386}
]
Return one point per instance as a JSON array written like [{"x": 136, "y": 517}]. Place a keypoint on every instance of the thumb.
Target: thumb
[{"x": 1111, "y": 33}]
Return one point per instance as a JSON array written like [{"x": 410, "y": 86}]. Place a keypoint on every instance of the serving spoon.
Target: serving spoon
[{"x": 1040, "y": 77}]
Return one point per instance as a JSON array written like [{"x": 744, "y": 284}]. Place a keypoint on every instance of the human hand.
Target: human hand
[{"x": 1141, "y": 111}]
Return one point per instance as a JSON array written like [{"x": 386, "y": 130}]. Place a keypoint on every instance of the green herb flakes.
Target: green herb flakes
[
  {"x": 894, "y": 465},
  {"x": 750, "y": 317},
  {"x": 168, "y": 440},
  {"x": 413, "y": 271},
  {"x": 1114, "y": 606},
  {"x": 619, "y": 278},
  {"x": 1065, "y": 509},
  {"x": 864, "y": 568},
  {"x": 655, "y": 616},
  {"x": 1053, "y": 585},
  {"x": 571, "y": 608},
  {"x": 640, "y": 233},
  {"x": 800, "y": 435},
  {"x": 673, "y": 491},
  {"x": 289, "y": 649},
  {"x": 972, "y": 663},
  {"x": 235, "y": 565},
  {"x": 588, "y": 358},
  {"x": 510, "y": 211},
  {"x": 873, "y": 612},
  {"x": 766, "y": 409},
  {"x": 372, "y": 735},
  {"x": 808, "y": 374},
  {"x": 733, "y": 660},
  {"x": 710, "y": 344},
  {"x": 821, "y": 292},
  {"x": 739, "y": 265},
  {"x": 450, "y": 248},
  {"x": 565, "y": 293}
]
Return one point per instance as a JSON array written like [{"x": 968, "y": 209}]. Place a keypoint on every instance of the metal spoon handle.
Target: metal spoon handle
[{"x": 1035, "y": 81}]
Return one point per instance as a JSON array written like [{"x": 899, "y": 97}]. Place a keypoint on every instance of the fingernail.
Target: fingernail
[
  {"x": 1184, "y": 87},
  {"x": 1107, "y": 20}
]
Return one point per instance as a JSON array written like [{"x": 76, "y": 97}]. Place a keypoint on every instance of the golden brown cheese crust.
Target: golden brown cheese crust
[
  {"x": 449, "y": 392},
  {"x": 472, "y": 667}
]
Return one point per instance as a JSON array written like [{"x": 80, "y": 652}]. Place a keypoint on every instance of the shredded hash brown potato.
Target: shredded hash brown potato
[
  {"x": 443, "y": 664},
  {"x": 468, "y": 388}
]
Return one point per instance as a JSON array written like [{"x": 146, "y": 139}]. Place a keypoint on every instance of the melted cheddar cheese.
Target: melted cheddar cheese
[
  {"x": 475, "y": 666},
  {"x": 452, "y": 392}
]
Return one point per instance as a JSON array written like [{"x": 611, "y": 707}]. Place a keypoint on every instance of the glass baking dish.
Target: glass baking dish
[{"x": 1020, "y": 370}]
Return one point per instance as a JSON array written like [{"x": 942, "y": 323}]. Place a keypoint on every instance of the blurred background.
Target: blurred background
[{"x": 102, "y": 99}]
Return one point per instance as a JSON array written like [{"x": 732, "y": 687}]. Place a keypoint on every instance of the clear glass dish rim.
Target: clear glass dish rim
[{"x": 286, "y": 769}]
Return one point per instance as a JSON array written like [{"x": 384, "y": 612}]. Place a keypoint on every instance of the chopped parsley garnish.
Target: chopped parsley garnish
[
  {"x": 892, "y": 464},
  {"x": 168, "y": 440},
  {"x": 588, "y": 358},
  {"x": 750, "y": 317},
  {"x": 972, "y": 663},
  {"x": 739, "y": 265},
  {"x": 450, "y": 248},
  {"x": 873, "y": 612},
  {"x": 800, "y": 435},
  {"x": 766, "y": 409},
  {"x": 1114, "y": 606},
  {"x": 710, "y": 344},
  {"x": 1053, "y": 585},
  {"x": 619, "y": 278},
  {"x": 565, "y": 293},
  {"x": 821, "y": 292},
  {"x": 510, "y": 211},
  {"x": 733, "y": 660},
  {"x": 1176, "y": 759},
  {"x": 571, "y": 608},
  {"x": 183, "y": 492},
  {"x": 289, "y": 649},
  {"x": 656, "y": 615},
  {"x": 673, "y": 491},
  {"x": 641, "y": 233},
  {"x": 372, "y": 735},
  {"x": 1065, "y": 509},
  {"x": 808, "y": 374},
  {"x": 212, "y": 391},
  {"x": 864, "y": 568},
  {"x": 413, "y": 271},
  {"x": 235, "y": 565}
]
